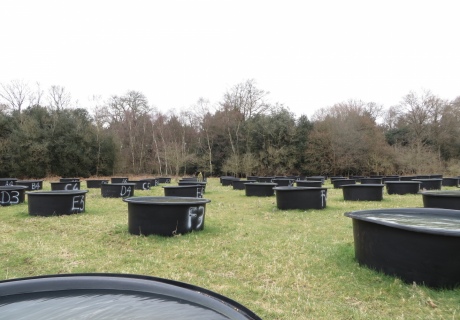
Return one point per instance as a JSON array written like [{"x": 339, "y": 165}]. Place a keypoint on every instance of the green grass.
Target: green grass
[{"x": 281, "y": 264}]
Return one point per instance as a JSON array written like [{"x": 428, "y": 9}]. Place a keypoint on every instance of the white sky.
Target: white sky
[{"x": 307, "y": 54}]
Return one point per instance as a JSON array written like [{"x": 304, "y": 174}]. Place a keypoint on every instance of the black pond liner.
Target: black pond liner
[
  {"x": 363, "y": 192},
  {"x": 140, "y": 184},
  {"x": 119, "y": 180},
  {"x": 117, "y": 190},
  {"x": 416, "y": 244},
  {"x": 12, "y": 195},
  {"x": 284, "y": 182},
  {"x": 95, "y": 183},
  {"x": 441, "y": 199},
  {"x": 113, "y": 296},
  {"x": 193, "y": 183},
  {"x": 30, "y": 184},
  {"x": 259, "y": 189},
  {"x": 164, "y": 179},
  {"x": 4, "y": 182},
  {"x": 195, "y": 191},
  {"x": 430, "y": 184},
  {"x": 371, "y": 180},
  {"x": 338, "y": 183},
  {"x": 166, "y": 216},
  {"x": 239, "y": 184},
  {"x": 56, "y": 203},
  {"x": 69, "y": 179},
  {"x": 308, "y": 183},
  {"x": 70, "y": 185},
  {"x": 450, "y": 182},
  {"x": 402, "y": 187},
  {"x": 300, "y": 198}
]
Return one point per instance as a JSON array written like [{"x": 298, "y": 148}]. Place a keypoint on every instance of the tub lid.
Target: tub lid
[
  {"x": 118, "y": 296},
  {"x": 56, "y": 192},
  {"x": 426, "y": 220},
  {"x": 167, "y": 201}
]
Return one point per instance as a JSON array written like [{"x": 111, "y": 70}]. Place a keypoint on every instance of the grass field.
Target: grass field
[{"x": 280, "y": 264}]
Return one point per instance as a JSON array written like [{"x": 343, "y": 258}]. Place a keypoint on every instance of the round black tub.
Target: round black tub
[
  {"x": 4, "y": 182},
  {"x": 239, "y": 184},
  {"x": 193, "y": 183},
  {"x": 338, "y": 183},
  {"x": 300, "y": 198},
  {"x": 315, "y": 178},
  {"x": 371, "y": 180},
  {"x": 450, "y": 182},
  {"x": 113, "y": 296},
  {"x": 56, "y": 203},
  {"x": 430, "y": 184},
  {"x": 403, "y": 187},
  {"x": 284, "y": 182},
  {"x": 441, "y": 199},
  {"x": 141, "y": 184},
  {"x": 416, "y": 244},
  {"x": 95, "y": 183},
  {"x": 195, "y": 191},
  {"x": 164, "y": 179},
  {"x": 69, "y": 179},
  {"x": 119, "y": 180},
  {"x": 227, "y": 181},
  {"x": 30, "y": 184},
  {"x": 363, "y": 192},
  {"x": 12, "y": 195},
  {"x": 166, "y": 216},
  {"x": 308, "y": 183},
  {"x": 69, "y": 185},
  {"x": 265, "y": 179},
  {"x": 385, "y": 179},
  {"x": 259, "y": 189},
  {"x": 407, "y": 178},
  {"x": 117, "y": 190}
]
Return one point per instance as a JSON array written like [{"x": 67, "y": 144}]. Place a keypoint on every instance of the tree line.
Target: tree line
[{"x": 42, "y": 134}]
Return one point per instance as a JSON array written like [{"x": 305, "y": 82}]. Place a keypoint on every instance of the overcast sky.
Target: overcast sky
[{"x": 307, "y": 54}]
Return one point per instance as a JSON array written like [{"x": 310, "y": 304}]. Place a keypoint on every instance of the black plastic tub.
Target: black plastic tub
[
  {"x": 30, "y": 184},
  {"x": 4, "y": 182},
  {"x": 284, "y": 182},
  {"x": 113, "y": 296},
  {"x": 265, "y": 179},
  {"x": 141, "y": 184},
  {"x": 442, "y": 199},
  {"x": 415, "y": 244},
  {"x": 117, "y": 190},
  {"x": 164, "y": 179},
  {"x": 56, "y": 203},
  {"x": 195, "y": 191},
  {"x": 239, "y": 184},
  {"x": 153, "y": 181},
  {"x": 119, "y": 180},
  {"x": 402, "y": 187},
  {"x": 95, "y": 183},
  {"x": 300, "y": 198},
  {"x": 335, "y": 178},
  {"x": 430, "y": 184},
  {"x": 315, "y": 178},
  {"x": 166, "y": 216},
  {"x": 407, "y": 178},
  {"x": 371, "y": 180},
  {"x": 450, "y": 182},
  {"x": 227, "y": 181},
  {"x": 69, "y": 179},
  {"x": 308, "y": 183},
  {"x": 385, "y": 179},
  {"x": 12, "y": 195},
  {"x": 69, "y": 185},
  {"x": 259, "y": 189},
  {"x": 338, "y": 183},
  {"x": 363, "y": 192},
  {"x": 252, "y": 178},
  {"x": 193, "y": 183}
]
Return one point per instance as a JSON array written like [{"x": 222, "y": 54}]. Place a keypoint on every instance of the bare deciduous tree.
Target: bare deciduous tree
[{"x": 15, "y": 94}]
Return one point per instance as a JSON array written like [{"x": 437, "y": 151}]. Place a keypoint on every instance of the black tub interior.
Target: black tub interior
[{"x": 96, "y": 296}]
